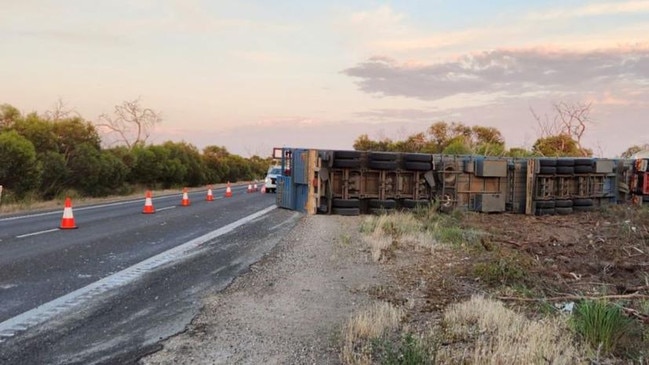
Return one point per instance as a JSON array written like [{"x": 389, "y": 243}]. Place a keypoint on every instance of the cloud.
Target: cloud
[
  {"x": 382, "y": 19},
  {"x": 383, "y": 30},
  {"x": 506, "y": 71},
  {"x": 596, "y": 9}
]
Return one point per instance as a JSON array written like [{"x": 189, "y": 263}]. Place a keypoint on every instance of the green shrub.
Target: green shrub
[{"x": 602, "y": 325}]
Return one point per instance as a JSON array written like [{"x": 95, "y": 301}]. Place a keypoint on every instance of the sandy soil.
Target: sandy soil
[{"x": 289, "y": 308}]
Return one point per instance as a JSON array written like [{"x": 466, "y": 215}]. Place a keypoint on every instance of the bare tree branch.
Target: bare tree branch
[
  {"x": 546, "y": 128},
  {"x": 131, "y": 122},
  {"x": 59, "y": 112},
  {"x": 571, "y": 120},
  {"x": 574, "y": 120}
]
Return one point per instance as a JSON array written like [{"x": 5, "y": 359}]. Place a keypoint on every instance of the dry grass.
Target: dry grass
[
  {"x": 366, "y": 326},
  {"x": 386, "y": 232},
  {"x": 493, "y": 334}
]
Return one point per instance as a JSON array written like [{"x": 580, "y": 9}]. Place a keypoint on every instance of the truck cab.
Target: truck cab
[{"x": 271, "y": 178}]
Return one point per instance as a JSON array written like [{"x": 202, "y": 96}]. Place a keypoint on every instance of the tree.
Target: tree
[
  {"x": 214, "y": 158},
  {"x": 73, "y": 132},
  {"x": 238, "y": 169},
  {"x": 477, "y": 139},
  {"x": 20, "y": 171},
  {"x": 519, "y": 152},
  {"x": 39, "y": 131},
  {"x": 561, "y": 145},
  {"x": 457, "y": 147},
  {"x": 8, "y": 116},
  {"x": 145, "y": 168},
  {"x": 84, "y": 165},
  {"x": 364, "y": 143},
  {"x": 112, "y": 174},
  {"x": 570, "y": 121},
  {"x": 131, "y": 122},
  {"x": 635, "y": 149},
  {"x": 439, "y": 137},
  {"x": 55, "y": 174},
  {"x": 189, "y": 157}
]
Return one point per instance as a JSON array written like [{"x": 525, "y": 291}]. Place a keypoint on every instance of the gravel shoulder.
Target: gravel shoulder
[{"x": 289, "y": 307}]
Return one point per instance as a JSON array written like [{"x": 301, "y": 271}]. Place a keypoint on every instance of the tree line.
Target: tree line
[
  {"x": 45, "y": 156},
  {"x": 559, "y": 135}
]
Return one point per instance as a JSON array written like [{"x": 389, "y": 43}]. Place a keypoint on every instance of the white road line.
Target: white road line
[
  {"x": 37, "y": 233},
  {"x": 165, "y": 208},
  {"x": 49, "y": 310}
]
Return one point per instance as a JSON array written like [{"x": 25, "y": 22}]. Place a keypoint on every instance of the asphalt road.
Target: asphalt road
[{"x": 108, "y": 291}]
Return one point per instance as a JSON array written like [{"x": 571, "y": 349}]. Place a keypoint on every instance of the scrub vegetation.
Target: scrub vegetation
[
  {"x": 58, "y": 153},
  {"x": 474, "y": 288}
]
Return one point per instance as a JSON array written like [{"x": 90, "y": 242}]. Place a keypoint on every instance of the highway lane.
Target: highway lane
[
  {"x": 14, "y": 225},
  {"x": 119, "y": 325},
  {"x": 36, "y": 269}
]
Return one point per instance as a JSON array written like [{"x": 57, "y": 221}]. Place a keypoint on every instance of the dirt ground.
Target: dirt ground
[
  {"x": 595, "y": 253},
  {"x": 290, "y": 308}
]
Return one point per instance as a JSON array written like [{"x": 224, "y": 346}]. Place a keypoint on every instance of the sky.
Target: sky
[{"x": 253, "y": 75}]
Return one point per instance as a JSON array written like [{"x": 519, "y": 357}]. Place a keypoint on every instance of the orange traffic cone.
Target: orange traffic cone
[
  {"x": 148, "y": 204},
  {"x": 249, "y": 188},
  {"x": 228, "y": 191},
  {"x": 263, "y": 189},
  {"x": 210, "y": 196},
  {"x": 67, "y": 222},
  {"x": 254, "y": 187},
  {"x": 185, "y": 202}
]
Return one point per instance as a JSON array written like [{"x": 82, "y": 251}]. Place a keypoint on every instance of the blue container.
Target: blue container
[
  {"x": 301, "y": 196},
  {"x": 299, "y": 166},
  {"x": 285, "y": 192}
]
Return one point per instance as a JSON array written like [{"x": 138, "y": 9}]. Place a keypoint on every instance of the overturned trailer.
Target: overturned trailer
[{"x": 359, "y": 182}]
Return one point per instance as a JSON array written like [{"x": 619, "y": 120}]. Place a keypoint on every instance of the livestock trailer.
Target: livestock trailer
[{"x": 357, "y": 182}]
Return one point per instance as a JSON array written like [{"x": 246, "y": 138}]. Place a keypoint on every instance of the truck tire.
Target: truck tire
[
  {"x": 546, "y": 204},
  {"x": 549, "y": 162},
  {"x": 565, "y": 170},
  {"x": 418, "y": 157},
  {"x": 548, "y": 170},
  {"x": 347, "y": 164},
  {"x": 417, "y": 166},
  {"x": 382, "y": 165},
  {"x": 583, "y": 162},
  {"x": 583, "y": 169},
  {"x": 565, "y": 162},
  {"x": 564, "y": 203},
  {"x": 383, "y": 156},
  {"x": 345, "y": 203},
  {"x": 347, "y": 154}
]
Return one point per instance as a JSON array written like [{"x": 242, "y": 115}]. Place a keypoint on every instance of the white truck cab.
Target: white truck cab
[{"x": 271, "y": 178}]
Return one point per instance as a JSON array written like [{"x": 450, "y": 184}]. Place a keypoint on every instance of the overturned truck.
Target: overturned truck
[{"x": 361, "y": 182}]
